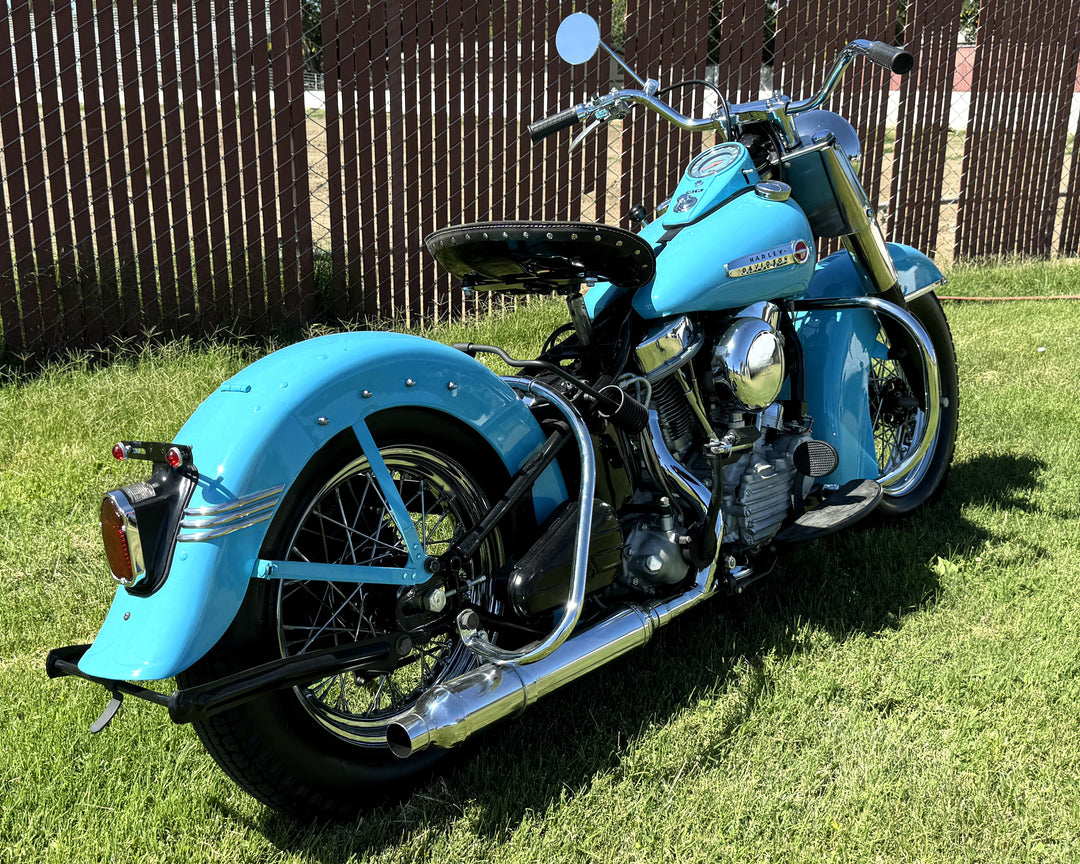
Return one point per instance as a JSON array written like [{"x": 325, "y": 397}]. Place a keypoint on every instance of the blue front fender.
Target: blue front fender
[
  {"x": 255, "y": 434},
  {"x": 839, "y": 346}
]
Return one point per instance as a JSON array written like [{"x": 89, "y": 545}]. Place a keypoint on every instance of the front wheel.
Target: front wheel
[
  {"x": 899, "y": 416},
  {"x": 320, "y": 751}
]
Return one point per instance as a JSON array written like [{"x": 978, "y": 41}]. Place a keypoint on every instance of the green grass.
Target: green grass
[{"x": 897, "y": 693}]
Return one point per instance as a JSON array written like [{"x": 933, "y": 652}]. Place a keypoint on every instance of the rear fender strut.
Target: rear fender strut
[{"x": 520, "y": 485}]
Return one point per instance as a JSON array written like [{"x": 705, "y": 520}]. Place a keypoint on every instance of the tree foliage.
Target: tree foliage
[
  {"x": 311, "y": 25},
  {"x": 969, "y": 19}
]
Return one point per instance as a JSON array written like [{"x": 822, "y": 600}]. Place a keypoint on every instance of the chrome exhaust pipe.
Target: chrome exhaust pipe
[{"x": 449, "y": 713}]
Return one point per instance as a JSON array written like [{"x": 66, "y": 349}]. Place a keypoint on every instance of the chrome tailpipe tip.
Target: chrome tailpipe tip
[{"x": 407, "y": 735}]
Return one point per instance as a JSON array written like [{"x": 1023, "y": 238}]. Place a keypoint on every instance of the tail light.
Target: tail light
[
  {"x": 140, "y": 522},
  {"x": 120, "y": 533}
]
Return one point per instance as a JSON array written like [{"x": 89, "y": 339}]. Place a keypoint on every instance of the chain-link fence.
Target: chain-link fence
[{"x": 182, "y": 167}]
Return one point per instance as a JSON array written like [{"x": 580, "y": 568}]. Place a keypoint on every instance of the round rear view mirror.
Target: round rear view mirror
[{"x": 578, "y": 38}]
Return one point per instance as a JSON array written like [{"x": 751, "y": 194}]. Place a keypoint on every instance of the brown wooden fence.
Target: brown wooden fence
[{"x": 180, "y": 167}]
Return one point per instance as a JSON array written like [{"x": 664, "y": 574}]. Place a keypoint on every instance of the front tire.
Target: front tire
[
  {"x": 320, "y": 751},
  {"x": 898, "y": 418}
]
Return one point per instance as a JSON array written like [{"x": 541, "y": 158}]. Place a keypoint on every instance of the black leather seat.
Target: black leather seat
[{"x": 542, "y": 257}]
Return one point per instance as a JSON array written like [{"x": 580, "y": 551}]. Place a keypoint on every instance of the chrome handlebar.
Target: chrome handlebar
[
  {"x": 614, "y": 106},
  {"x": 779, "y": 109},
  {"x": 896, "y": 60}
]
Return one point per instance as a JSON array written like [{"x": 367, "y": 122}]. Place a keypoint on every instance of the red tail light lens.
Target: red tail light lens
[{"x": 120, "y": 534}]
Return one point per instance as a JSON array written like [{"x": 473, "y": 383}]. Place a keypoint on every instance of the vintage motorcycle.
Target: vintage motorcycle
[{"x": 367, "y": 547}]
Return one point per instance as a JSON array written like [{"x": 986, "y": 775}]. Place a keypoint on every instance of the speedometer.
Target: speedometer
[{"x": 714, "y": 160}]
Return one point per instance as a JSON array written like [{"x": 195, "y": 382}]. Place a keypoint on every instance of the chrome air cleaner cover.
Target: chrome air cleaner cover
[{"x": 748, "y": 360}]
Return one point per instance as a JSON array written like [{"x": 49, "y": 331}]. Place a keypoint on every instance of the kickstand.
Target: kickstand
[{"x": 109, "y": 712}]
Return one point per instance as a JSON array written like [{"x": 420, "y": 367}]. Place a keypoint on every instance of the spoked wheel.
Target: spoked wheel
[
  {"x": 348, "y": 522},
  {"x": 900, "y": 417},
  {"x": 320, "y": 751}
]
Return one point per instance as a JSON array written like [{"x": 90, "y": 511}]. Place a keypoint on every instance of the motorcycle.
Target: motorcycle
[{"x": 368, "y": 547}]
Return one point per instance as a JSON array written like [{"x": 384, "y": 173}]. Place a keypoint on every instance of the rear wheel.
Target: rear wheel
[
  {"x": 900, "y": 417},
  {"x": 320, "y": 751}
]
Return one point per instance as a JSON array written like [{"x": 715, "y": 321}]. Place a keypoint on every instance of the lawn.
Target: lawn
[{"x": 903, "y": 692}]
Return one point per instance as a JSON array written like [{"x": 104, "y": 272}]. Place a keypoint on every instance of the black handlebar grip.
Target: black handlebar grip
[
  {"x": 548, "y": 125},
  {"x": 896, "y": 60}
]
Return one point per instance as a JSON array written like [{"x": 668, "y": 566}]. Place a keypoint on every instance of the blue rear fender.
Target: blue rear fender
[
  {"x": 839, "y": 347},
  {"x": 252, "y": 438}
]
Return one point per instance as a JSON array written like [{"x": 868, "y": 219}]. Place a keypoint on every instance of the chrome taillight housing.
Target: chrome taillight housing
[
  {"x": 120, "y": 534},
  {"x": 140, "y": 522}
]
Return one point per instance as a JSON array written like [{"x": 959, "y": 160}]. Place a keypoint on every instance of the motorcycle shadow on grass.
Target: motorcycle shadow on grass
[{"x": 849, "y": 584}]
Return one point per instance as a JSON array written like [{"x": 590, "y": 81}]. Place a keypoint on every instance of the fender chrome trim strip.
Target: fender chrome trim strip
[
  {"x": 218, "y": 520},
  {"x": 926, "y": 289},
  {"x": 236, "y": 503}
]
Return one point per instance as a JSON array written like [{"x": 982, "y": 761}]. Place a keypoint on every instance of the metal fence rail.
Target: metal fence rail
[{"x": 182, "y": 167}]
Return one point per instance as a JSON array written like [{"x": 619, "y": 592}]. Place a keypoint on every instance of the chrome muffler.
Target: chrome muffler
[{"x": 449, "y": 713}]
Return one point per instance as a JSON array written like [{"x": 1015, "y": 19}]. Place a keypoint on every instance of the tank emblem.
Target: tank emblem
[
  {"x": 684, "y": 203},
  {"x": 795, "y": 252}
]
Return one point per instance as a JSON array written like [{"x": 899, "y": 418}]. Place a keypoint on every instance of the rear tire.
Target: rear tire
[
  {"x": 320, "y": 751},
  {"x": 897, "y": 419}
]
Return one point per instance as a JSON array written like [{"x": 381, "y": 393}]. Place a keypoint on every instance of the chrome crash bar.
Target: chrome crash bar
[{"x": 475, "y": 640}]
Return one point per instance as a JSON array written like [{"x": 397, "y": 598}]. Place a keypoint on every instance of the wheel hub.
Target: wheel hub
[{"x": 896, "y": 404}]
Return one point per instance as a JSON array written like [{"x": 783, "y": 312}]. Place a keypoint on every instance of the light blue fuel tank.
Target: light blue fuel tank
[{"x": 722, "y": 244}]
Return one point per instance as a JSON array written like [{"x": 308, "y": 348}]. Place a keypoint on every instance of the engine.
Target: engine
[
  {"x": 748, "y": 359},
  {"x": 732, "y": 390},
  {"x": 748, "y": 375},
  {"x": 759, "y": 489}
]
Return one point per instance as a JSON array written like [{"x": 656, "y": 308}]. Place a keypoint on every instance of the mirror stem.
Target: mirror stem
[{"x": 619, "y": 60}]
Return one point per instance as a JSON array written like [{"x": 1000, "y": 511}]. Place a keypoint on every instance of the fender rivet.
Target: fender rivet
[
  {"x": 409, "y": 382},
  {"x": 365, "y": 394},
  {"x": 451, "y": 386},
  {"x": 323, "y": 421}
]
